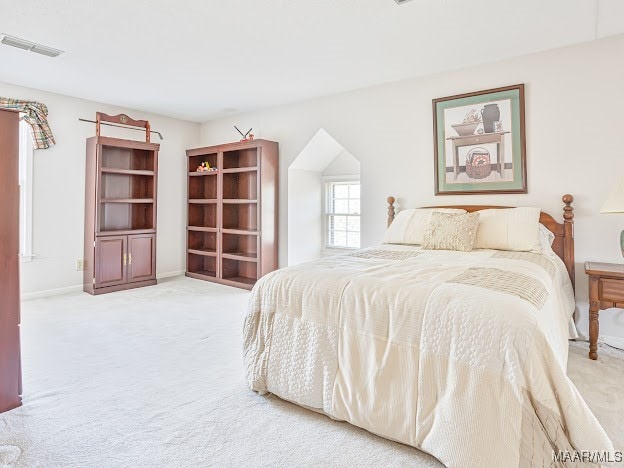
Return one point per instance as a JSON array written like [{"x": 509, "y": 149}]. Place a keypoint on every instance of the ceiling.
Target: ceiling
[{"x": 202, "y": 59}]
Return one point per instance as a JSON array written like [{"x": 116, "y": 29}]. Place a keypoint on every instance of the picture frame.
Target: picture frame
[{"x": 480, "y": 142}]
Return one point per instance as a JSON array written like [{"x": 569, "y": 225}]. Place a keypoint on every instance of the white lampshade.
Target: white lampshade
[{"x": 615, "y": 201}]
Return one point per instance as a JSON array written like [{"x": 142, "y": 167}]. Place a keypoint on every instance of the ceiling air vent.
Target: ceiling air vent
[
  {"x": 401, "y": 2},
  {"x": 28, "y": 45}
]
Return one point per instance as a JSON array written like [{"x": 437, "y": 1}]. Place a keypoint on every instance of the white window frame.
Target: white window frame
[
  {"x": 327, "y": 180},
  {"x": 26, "y": 153}
]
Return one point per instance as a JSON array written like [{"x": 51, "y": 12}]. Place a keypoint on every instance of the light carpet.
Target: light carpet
[{"x": 154, "y": 378}]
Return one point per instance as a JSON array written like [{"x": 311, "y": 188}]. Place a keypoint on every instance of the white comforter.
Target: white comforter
[{"x": 462, "y": 355}]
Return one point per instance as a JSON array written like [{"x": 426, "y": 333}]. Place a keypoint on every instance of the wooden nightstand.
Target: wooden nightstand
[{"x": 606, "y": 290}]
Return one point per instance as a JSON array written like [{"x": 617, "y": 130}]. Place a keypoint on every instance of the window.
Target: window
[
  {"x": 342, "y": 214},
  {"x": 25, "y": 183}
]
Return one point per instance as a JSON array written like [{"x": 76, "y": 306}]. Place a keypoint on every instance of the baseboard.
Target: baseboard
[
  {"x": 50, "y": 292},
  {"x": 71, "y": 289},
  {"x": 169, "y": 274}
]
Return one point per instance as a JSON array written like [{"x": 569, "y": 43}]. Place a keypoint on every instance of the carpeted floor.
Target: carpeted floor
[{"x": 153, "y": 378}]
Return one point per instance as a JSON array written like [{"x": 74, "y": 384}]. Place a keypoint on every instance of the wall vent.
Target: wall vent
[{"x": 28, "y": 45}]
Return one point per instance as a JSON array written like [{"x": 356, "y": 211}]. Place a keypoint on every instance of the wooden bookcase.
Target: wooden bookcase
[
  {"x": 10, "y": 362},
  {"x": 232, "y": 212},
  {"x": 120, "y": 214}
]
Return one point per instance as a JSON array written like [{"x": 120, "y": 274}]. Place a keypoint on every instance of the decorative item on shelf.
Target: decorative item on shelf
[
  {"x": 490, "y": 114},
  {"x": 246, "y": 136},
  {"x": 122, "y": 121},
  {"x": 615, "y": 204},
  {"x": 470, "y": 123},
  {"x": 478, "y": 163},
  {"x": 205, "y": 167}
]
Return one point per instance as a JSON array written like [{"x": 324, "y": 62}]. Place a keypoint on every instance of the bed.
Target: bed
[{"x": 460, "y": 354}]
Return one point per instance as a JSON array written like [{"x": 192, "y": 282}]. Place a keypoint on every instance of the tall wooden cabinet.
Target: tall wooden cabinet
[
  {"x": 120, "y": 214},
  {"x": 10, "y": 371},
  {"x": 232, "y": 217}
]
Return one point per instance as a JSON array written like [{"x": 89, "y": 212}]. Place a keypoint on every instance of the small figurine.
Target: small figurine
[
  {"x": 205, "y": 166},
  {"x": 246, "y": 136}
]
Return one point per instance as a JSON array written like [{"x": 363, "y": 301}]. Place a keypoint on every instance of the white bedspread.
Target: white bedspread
[{"x": 460, "y": 354}]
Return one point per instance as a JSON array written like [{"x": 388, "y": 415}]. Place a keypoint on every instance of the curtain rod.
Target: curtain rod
[{"x": 123, "y": 126}]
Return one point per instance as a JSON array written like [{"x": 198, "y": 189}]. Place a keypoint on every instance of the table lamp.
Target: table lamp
[{"x": 615, "y": 204}]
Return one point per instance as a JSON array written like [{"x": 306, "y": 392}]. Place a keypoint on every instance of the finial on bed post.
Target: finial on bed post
[
  {"x": 391, "y": 201},
  {"x": 568, "y": 229}
]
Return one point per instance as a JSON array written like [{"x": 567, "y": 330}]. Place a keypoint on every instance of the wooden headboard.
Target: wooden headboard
[{"x": 563, "y": 245}]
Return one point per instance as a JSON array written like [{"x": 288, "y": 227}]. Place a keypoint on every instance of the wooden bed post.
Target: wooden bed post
[
  {"x": 391, "y": 201},
  {"x": 568, "y": 240}
]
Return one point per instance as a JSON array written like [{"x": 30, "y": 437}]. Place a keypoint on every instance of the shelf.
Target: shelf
[
  {"x": 241, "y": 280},
  {"x": 201, "y": 264},
  {"x": 240, "y": 185},
  {"x": 113, "y": 170},
  {"x": 202, "y": 200},
  {"x": 242, "y": 157},
  {"x": 202, "y": 274},
  {"x": 201, "y": 229},
  {"x": 238, "y": 200},
  {"x": 202, "y": 252},
  {"x": 202, "y": 173},
  {"x": 242, "y": 256},
  {"x": 239, "y": 271},
  {"x": 240, "y": 231},
  {"x": 240, "y": 216},
  {"x": 127, "y": 200},
  {"x": 133, "y": 159},
  {"x": 240, "y": 169},
  {"x": 202, "y": 215},
  {"x": 121, "y": 232}
]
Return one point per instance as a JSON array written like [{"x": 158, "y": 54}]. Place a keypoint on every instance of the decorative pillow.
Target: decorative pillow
[
  {"x": 514, "y": 229},
  {"x": 451, "y": 231},
  {"x": 408, "y": 226}
]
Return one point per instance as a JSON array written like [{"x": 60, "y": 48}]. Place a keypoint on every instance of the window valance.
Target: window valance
[{"x": 36, "y": 116}]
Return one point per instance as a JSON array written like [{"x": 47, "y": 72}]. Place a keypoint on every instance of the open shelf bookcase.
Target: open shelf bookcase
[
  {"x": 232, "y": 212},
  {"x": 120, "y": 214}
]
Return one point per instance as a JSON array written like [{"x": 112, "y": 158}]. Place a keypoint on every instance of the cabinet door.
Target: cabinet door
[
  {"x": 141, "y": 257},
  {"x": 110, "y": 261}
]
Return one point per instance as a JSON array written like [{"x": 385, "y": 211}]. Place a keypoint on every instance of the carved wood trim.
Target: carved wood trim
[
  {"x": 391, "y": 210},
  {"x": 563, "y": 245},
  {"x": 121, "y": 119}
]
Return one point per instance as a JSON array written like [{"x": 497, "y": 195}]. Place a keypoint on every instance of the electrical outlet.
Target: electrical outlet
[{"x": 80, "y": 264}]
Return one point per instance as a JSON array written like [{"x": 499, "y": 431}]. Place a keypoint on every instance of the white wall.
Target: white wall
[
  {"x": 58, "y": 196},
  {"x": 343, "y": 164},
  {"x": 304, "y": 216},
  {"x": 574, "y": 101}
]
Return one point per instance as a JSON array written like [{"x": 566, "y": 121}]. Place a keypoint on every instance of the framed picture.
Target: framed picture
[{"x": 479, "y": 142}]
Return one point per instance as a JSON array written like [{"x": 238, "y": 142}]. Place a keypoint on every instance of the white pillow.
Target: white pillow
[
  {"x": 395, "y": 234},
  {"x": 514, "y": 229},
  {"x": 408, "y": 226},
  {"x": 546, "y": 238}
]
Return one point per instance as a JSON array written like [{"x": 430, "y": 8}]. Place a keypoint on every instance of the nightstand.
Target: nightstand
[{"x": 606, "y": 290}]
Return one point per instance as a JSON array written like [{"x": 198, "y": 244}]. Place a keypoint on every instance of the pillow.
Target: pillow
[
  {"x": 395, "y": 234},
  {"x": 546, "y": 238},
  {"x": 514, "y": 229},
  {"x": 408, "y": 226},
  {"x": 451, "y": 231}
]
